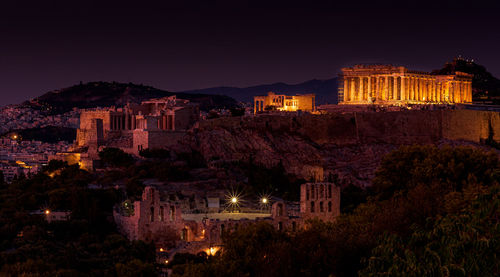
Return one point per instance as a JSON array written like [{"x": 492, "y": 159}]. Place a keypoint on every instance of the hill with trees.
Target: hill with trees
[
  {"x": 105, "y": 94},
  {"x": 484, "y": 84}
]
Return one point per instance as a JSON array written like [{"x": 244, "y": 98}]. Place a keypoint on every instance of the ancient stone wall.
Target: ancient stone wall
[
  {"x": 320, "y": 201},
  {"x": 405, "y": 127}
]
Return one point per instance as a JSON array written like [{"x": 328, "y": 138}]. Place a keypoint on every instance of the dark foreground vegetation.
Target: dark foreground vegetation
[
  {"x": 87, "y": 244},
  {"x": 431, "y": 211}
]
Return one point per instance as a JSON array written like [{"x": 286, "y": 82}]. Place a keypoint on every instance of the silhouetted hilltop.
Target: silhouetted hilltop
[
  {"x": 484, "y": 84},
  {"x": 104, "y": 94},
  {"x": 325, "y": 90}
]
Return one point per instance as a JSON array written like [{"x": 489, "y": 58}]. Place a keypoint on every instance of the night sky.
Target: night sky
[{"x": 46, "y": 45}]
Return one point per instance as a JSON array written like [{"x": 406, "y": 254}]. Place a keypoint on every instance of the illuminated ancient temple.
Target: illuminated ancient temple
[
  {"x": 391, "y": 85},
  {"x": 285, "y": 103}
]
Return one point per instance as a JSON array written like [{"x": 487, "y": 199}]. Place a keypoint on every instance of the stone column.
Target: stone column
[
  {"x": 369, "y": 86},
  {"x": 469, "y": 86},
  {"x": 451, "y": 95},
  {"x": 414, "y": 89},
  {"x": 410, "y": 88},
  {"x": 420, "y": 89},
  {"x": 433, "y": 90},
  {"x": 403, "y": 88},
  {"x": 426, "y": 89},
  {"x": 414, "y": 92},
  {"x": 361, "y": 88},
  {"x": 352, "y": 83},
  {"x": 346, "y": 89},
  {"x": 386, "y": 88},
  {"x": 462, "y": 92}
]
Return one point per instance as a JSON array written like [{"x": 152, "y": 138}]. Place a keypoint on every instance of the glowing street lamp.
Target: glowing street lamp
[
  {"x": 233, "y": 200},
  {"x": 264, "y": 200},
  {"x": 47, "y": 212}
]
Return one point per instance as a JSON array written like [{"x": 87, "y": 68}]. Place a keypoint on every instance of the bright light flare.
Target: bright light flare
[
  {"x": 47, "y": 211},
  {"x": 233, "y": 200},
  {"x": 264, "y": 200}
]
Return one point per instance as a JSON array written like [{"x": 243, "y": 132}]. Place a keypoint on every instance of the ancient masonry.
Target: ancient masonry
[
  {"x": 156, "y": 218},
  {"x": 391, "y": 85},
  {"x": 154, "y": 123},
  {"x": 286, "y": 103}
]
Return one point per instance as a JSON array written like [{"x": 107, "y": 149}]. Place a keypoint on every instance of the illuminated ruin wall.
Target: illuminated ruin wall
[
  {"x": 320, "y": 201},
  {"x": 387, "y": 84},
  {"x": 155, "y": 123},
  {"x": 285, "y": 103}
]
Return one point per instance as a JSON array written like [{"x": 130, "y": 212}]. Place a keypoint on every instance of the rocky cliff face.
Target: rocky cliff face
[{"x": 350, "y": 145}]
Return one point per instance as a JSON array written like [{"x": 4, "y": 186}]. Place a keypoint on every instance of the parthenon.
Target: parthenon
[{"x": 391, "y": 85}]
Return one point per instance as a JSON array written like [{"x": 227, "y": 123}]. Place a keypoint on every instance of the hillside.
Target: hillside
[
  {"x": 484, "y": 84},
  {"x": 349, "y": 145},
  {"x": 104, "y": 94},
  {"x": 325, "y": 90}
]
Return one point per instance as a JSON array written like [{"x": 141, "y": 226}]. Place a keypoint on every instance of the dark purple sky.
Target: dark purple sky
[{"x": 46, "y": 45}]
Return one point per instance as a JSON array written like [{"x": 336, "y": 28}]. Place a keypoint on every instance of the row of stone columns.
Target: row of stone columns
[
  {"x": 166, "y": 122},
  {"x": 411, "y": 88},
  {"x": 123, "y": 122}
]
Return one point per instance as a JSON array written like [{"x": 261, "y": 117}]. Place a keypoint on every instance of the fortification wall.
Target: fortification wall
[
  {"x": 470, "y": 125},
  {"x": 404, "y": 127}
]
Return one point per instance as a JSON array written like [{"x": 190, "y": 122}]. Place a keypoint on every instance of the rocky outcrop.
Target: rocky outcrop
[{"x": 349, "y": 145}]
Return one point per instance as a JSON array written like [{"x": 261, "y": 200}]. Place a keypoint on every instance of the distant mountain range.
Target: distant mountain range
[{"x": 325, "y": 90}]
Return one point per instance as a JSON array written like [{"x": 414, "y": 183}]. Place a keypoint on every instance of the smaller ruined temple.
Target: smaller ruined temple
[
  {"x": 285, "y": 103},
  {"x": 155, "y": 123}
]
